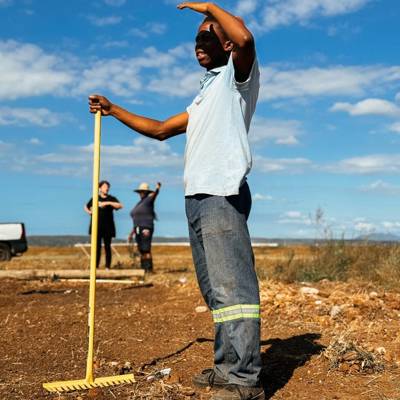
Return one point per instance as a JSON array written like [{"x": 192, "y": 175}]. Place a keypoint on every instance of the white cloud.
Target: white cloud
[
  {"x": 283, "y": 13},
  {"x": 26, "y": 70},
  {"x": 4, "y": 147},
  {"x": 391, "y": 225},
  {"x": 363, "y": 165},
  {"x": 29, "y": 116},
  {"x": 124, "y": 77},
  {"x": 138, "y": 33},
  {"x": 116, "y": 44},
  {"x": 395, "y": 127},
  {"x": 35, "y": 141},
  {"x": 293, "y": 214},
  {"x": 365, "y": 227},
  {"x": 381, "y": 187},
  {"x": 14, "y": 158},
  {"x": 344, "y": 29},
  {"x": 149, "y": 28},
  {"x": 295, "y": 217},
  {"x": 156, "y": 27},
  {"x": 174, "y": 80},
  {"x": 262, "y": 197},
  {"x": 183, "y": 51},
  {"x": 117, "y": 76},
  {"x": 120, "y": 76},
  {"x": 370, "y": 164},
  {"x": 144, "y": 152},
  {"x": 292, "y": 165},
  {"x": 280, "y": 83},
  {"x": 115, "y": 3},
  {"x": 245, "y": 7},
  {"x": 76, "y": 161},
  {"x": 279, "y": 131},
  {"x": 177, "y": 82},
  {"x": 369, "y": 107},
  {"x": 20, "y": 159},
  {"x": 104, "y": 21}
]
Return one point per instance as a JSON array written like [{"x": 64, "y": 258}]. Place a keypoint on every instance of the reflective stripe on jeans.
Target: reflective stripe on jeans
[{"x": 237, "y": 311}]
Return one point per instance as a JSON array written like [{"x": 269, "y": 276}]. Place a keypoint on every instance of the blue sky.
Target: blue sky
[{"x": 326, "y": 132}]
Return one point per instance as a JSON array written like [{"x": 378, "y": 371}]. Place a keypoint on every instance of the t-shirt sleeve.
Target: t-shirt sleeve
[
  {"x": 194, "y": 102},
  {"x": 89, "y": 204},
  {"x": 114, "y": 199},
  {"x": 252, "y": 83}
]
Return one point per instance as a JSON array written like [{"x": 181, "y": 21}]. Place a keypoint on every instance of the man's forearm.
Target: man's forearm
[
  {"x": 151, "y": 128},
  {"x": 88, "y": 210},
  {"x": 146, "y": 126},
  {"x": 113, "y": 204},
  {"x": 233, "y": 27}
]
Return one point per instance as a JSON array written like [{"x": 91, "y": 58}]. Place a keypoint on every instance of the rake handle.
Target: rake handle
[
  {"x": 89, "y": 381},
  {"x": 93, "y": 245}
]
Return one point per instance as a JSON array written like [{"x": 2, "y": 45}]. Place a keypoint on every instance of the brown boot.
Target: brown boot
[
  {"x": 239, "y": 392},
  {"x": 209, "y": 378}
]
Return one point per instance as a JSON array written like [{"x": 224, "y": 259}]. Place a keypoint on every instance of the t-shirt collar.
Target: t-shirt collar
[{"x": 209, "y": 75}]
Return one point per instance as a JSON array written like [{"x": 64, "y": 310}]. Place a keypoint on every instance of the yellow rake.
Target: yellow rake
[{"x": 90, "y": 381}]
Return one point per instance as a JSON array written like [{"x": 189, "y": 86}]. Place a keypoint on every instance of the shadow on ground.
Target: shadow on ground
[{"x": 282, "y": 358}]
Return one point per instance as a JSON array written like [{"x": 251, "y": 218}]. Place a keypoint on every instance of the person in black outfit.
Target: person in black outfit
[
  {"x": 106, "y": 225},
  {"x": 143, "y": 217}
]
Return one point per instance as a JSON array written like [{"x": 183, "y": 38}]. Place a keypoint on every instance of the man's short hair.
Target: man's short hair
[{"x": 101, "y": 183}]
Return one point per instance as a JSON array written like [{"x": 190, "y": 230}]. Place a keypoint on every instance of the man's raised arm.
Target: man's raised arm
[{"x": 151, "y": 128}]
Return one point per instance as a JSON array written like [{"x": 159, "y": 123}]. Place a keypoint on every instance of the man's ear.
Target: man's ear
[{"x": 228, "y": 45}]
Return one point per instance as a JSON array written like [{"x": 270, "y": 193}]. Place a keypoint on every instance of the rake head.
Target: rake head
[{"x": 83, "y": 384}]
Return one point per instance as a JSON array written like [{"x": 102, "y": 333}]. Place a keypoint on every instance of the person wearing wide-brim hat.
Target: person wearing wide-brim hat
[{"x": 143, "y": 217}]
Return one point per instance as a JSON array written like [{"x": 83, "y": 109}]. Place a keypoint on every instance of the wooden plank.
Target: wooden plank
[
  {"x": 116, "y": 281},
  {"x": 31, "y": 274},
  {"x": 175, "y": 244}
]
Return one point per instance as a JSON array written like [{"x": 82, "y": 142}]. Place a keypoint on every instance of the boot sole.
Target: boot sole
[
  {"x": 260, "y": 396},
  {"x": 205, "y": 385}
]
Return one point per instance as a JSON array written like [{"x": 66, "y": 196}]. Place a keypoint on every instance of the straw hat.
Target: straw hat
[{"x": 143, "y": 187}]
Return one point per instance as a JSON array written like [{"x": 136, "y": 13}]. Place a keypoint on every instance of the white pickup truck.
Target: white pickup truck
[{"x": 12, "y": 240}]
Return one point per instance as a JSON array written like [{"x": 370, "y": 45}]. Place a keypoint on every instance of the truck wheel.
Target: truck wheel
[{"x": 5, "y": 252}]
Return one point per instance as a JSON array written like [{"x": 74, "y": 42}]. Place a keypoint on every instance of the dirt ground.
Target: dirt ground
[{"x": 319, "y": 341}]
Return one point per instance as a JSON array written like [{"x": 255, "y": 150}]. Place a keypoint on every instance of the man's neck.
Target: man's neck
[{"x": 218, "y": 64}]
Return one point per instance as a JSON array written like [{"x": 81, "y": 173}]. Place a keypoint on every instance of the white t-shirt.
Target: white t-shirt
[{"x": 217, "y": 154}]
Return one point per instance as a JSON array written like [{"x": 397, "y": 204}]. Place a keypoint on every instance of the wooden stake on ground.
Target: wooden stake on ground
[{"x": 32, "y": 274}]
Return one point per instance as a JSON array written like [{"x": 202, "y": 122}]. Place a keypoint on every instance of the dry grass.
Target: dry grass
[
  {"x": 346, "y": 356},
  {"x": 335, "y": 260}
]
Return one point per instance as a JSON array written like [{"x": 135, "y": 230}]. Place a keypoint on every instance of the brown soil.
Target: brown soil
[{"x": 43, "y": 334}]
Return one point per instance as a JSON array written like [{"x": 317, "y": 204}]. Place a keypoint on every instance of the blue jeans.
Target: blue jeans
[{"x": 224, "y": 263}]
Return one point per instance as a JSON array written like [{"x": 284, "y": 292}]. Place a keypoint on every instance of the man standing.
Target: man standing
[
  {"x": 218, "y": 200},
  {"x": 106, "y": 225}
]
